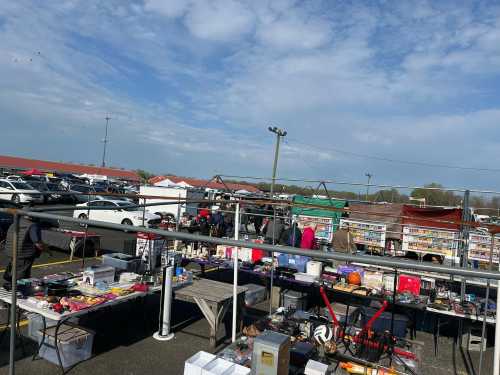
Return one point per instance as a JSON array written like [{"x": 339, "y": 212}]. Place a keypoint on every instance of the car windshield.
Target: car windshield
[
  {"x": 21, "y": 185},
  {"x": 127, "y": 206},
  {"x": 99, "y": 189}
]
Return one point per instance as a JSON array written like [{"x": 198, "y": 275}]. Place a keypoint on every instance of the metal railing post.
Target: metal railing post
[
  {"x": 13, "y": 307},
  {"x": 485, "y": 316},
  {"x": 496, "y": 349},
  {"x": 272, "y": 264},
  {"x": 235, "y": 270}
]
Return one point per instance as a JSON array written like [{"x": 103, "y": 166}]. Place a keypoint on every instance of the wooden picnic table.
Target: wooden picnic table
[{"x": 214, "y": 299}]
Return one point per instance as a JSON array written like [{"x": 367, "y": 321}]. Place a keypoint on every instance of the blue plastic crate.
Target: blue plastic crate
[{"x": 298, "y": 262}]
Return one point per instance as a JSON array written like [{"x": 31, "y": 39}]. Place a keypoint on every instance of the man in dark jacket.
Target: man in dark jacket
[
  {"x": 274, "y": 231},
  {"x": 29, "y": 247},
  {"x": 291, "y": 236}
]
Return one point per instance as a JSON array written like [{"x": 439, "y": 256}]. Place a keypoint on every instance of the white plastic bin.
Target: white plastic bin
[
  {"x": 216, "y": 367},
  {"x": 237, "y": 370},
  {"x": 35, "y": 324},
  {"x": 75, "y": 345},
  {"x": 194, "y": 364}
]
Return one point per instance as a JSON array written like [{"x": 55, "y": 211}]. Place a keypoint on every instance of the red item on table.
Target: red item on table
[
  {"x": 307, "y": 241},
  {"x": 57, "y": 307},
  {"x": 407, "y": 283},
  {"x": 140, "y": 287},
  {"x": 109, "y": 296},
  {"x": 257, "y": 255}
]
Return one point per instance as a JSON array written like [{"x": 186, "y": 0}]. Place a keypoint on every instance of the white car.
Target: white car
[
  {"x": 116, "y": 211},
  {"x": 19, "y": 192}
]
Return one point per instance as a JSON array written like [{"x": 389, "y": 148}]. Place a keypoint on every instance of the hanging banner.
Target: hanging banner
[
  {"x": 426, "y": 240},
  {"x": 480, "y": 246},
  {"x": 365, "y": 233},
  {"x": 323, "y": 225}
]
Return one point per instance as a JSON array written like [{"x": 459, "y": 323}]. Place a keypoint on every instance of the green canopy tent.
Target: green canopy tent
[{"x": 324, "y": 218}]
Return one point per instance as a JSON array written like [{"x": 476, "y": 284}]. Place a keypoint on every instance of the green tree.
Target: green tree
[
  {"x": 144, "y": 175},
  {"x": 436, "y": 197}
]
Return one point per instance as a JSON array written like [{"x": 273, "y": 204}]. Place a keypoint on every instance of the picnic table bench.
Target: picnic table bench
[{"x": 214, "y": 299}]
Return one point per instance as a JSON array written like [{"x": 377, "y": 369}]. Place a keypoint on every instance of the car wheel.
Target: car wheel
[
  {"x": 127, "y": 222},
  {"x": 82, "y": 217},
  {"x": 16, "y": 199}
]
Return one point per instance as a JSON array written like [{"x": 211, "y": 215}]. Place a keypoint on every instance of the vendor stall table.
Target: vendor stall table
[
  {"x": 31, "y": 307},
  {"x": 454, "y": 314},
  {"x": 71, "y": 239},
  {"x": 213, "y": 298},
  {"x": 450, "y": 314}
]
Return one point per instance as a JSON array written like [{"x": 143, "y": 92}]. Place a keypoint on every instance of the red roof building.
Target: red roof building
[
  {"x": 200, "y": 183},
  {"x": 49, "y": 166}
]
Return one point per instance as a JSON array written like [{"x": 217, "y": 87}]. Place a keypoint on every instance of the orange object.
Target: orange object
[
  {"x": 353, "y": 368},
  {"x": 354, "y": 278}
]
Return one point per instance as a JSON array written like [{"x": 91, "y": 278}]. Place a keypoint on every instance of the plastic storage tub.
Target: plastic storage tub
[
  {"x": 340, "y": 311},
  {"x": 283, "y": 260},
  {"x": 35, "y": 324},
  {"x": 383, "y": 323},
  {"x": 294, "y": 299},
  {"x": 216, "y": 367},
  {"x": 121, "y": 261},
  {"x": 237, "y": 370},
  {"x": 75, "y": 345},
  {"x": 254, "y": 294},
  {"x": 194, "y": 364},
  {"x": 298, "y": 262}
]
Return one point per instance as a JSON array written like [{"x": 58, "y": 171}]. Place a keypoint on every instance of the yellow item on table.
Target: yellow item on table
[
  {"x": 353, "y": 368},
  {"x": 120, "y": 291}
]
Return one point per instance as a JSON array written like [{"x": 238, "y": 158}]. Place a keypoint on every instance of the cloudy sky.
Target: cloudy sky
[{"x": 192, "y": 85}]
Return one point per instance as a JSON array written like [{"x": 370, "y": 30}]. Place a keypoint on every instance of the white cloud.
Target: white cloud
[
  {"x": 222, "y": 20},
  {"x": 291, "y": 32}
]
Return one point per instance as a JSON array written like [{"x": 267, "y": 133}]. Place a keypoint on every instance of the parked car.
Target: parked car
[
  {"x": 116, "y": 211},
  {"x": 19, "y": 192},
  {"x": 82, "y": 193},
  {"x": 13, "y": 177},
  {"x": 48, "y": 187}
]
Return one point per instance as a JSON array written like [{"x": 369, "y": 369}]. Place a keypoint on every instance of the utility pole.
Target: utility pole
[
  {"x": 105, "y": 141},
  {"x": 279, "y": 134},
  {"x": 369, "y": 175}
]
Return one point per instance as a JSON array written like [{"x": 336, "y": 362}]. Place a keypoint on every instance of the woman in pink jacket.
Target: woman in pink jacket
[{"x": 307, "y": 241}]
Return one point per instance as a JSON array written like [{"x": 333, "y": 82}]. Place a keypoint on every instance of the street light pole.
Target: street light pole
[
  {"x": 369, "y": 175},
  {"x": 279, "y": 133},
  {"x": 105, "y": 142}
]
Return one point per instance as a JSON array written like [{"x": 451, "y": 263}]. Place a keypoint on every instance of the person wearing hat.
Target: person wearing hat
[{"x": 29, "y": 247}]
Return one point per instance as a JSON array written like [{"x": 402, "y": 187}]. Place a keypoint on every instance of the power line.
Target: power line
[
  {"x": 380, "y": 158},
  {"x": 329, "y": 181}
]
